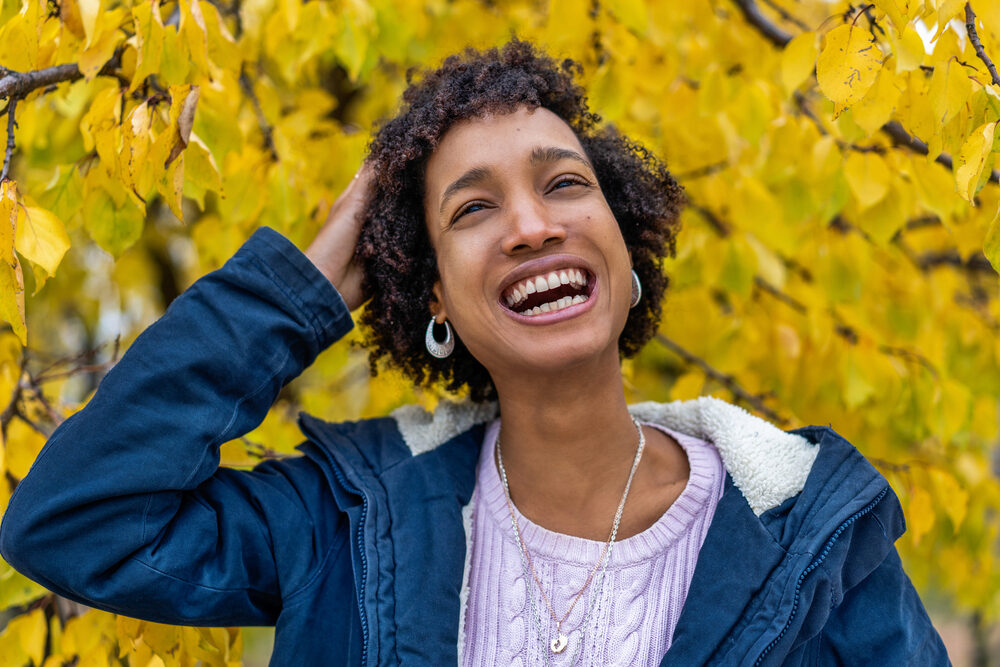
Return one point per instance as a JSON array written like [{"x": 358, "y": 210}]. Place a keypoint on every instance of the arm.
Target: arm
[
  {"x": 124, "y": 507},
  {"x": 881, "y": 621}
]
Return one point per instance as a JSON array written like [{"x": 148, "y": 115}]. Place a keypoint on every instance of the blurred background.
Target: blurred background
[{"x": 836, "y": 264}]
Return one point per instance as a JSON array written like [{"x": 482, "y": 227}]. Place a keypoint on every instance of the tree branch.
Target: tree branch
[
  {"x": 9, "y": 152},
  {"x": 265, "y": 127},
  {"x": 970, "y": 27},
  {"x": 726, "y": 380}
]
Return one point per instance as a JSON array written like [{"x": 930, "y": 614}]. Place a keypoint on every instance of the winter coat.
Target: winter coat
[{"x": 357, "y": 550}]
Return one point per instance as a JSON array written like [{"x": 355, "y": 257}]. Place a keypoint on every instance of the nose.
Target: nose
[{"x": 530, "y": 226}]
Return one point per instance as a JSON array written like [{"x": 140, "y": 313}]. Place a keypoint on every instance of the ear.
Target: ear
[{"x": 437, "y": 303}]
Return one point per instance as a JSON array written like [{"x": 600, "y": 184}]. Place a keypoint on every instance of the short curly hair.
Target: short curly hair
[{"x": 399, "y": 264}]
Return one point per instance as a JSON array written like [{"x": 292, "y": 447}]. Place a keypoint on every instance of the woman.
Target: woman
[{"x": 511, "y": 249}]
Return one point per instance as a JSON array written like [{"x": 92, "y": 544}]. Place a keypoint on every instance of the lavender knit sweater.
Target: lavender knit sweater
[{"x": 626, "y": 619}]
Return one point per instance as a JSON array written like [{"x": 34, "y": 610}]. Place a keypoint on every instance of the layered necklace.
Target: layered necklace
[{"x": 559, "y": 643}]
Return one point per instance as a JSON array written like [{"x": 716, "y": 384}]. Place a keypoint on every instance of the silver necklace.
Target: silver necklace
[{"x": 560, "y": 641}]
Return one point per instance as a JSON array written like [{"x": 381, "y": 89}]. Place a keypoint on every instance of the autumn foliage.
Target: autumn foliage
[{"x": 837, "y": 263}]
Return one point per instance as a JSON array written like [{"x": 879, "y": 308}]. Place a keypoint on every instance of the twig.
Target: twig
[
  {"x": 726, "y": 380},
  {"x": 701, "y": 172},
  {"x": 790, "y": 301},
  {"x": 753, "y": 16},
  {"x": 9, "y": 153},
  {"x": 265, "y": 127},
  {"x": 902, "y": 138},
  {"x": 720, "y": 227},
  {"x": 785, "y": 15},
  {"x": 977, "y": 262},
  {"x": 970, "y": 27}
]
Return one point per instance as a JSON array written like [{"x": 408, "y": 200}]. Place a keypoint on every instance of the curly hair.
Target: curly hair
[{"x": 395, "y": 251}]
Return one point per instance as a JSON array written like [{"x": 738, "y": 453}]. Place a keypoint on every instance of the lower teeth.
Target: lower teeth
[{"x": 554, "y": 305}]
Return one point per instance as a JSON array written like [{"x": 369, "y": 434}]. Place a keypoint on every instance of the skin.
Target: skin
[{"x": 501, "y": 193}]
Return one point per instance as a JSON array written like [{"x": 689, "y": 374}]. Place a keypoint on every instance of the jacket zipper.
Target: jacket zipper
[
  {"x": 361, "y": 551},
  {"x": 815, "y": 564}
]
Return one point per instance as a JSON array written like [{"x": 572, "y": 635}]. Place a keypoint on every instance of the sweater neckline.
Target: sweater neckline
[{"x": 705, "y": 467}]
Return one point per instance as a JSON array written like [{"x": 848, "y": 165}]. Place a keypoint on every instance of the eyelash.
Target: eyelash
[{"x": 574, "y": 180}]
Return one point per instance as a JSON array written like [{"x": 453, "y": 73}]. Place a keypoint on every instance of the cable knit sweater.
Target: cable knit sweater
[{"x": 625, "y": 618}]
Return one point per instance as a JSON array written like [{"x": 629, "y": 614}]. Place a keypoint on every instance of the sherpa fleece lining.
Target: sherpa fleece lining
[{"x": 767, "y": 465}]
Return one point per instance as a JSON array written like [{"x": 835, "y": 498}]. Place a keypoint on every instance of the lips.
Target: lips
[{"x": 548, "y": 291}]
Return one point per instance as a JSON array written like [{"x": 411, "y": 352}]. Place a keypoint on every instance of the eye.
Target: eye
[
  {"x": 568, "y": 180},
  {"x": 471, "y": 207}
]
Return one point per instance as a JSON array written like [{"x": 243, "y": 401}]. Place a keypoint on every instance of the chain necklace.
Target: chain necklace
[{"x": 559, "y": 643}]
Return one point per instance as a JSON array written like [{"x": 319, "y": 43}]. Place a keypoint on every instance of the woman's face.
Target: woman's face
[{"x": 534, "y": 272}]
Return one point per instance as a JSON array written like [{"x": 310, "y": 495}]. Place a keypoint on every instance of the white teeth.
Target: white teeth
[
  {"x": 563, "y": 278},
  {"x": 579, "y": 277},
  {"x": 529, "y": 287},
  {"x": 553, "y": 279},
  {"x": 517, "y": 294},
  {"x": 553, "y": 306},
  {"x": 541, "y": 285}
]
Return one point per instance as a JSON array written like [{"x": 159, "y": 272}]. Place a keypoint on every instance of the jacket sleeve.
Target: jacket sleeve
[
  {"x": 881, "y": 621},
  {"x": 126, "y": 509}
]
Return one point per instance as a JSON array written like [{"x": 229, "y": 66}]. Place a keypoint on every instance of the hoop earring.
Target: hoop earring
[
  {"x": 443, "y": 349},
  {"x": 636, "y": 290}
]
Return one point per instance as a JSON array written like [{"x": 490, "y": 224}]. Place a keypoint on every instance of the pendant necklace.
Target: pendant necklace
[{"x": 559, "y": 643}]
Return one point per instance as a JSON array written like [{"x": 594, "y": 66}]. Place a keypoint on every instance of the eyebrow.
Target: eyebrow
[{"x": 477, "y": 175}]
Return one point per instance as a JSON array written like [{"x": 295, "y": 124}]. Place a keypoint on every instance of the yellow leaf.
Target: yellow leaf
[
  {"x": 132, "y": 163},
  {"x": 798, "y": 60},
  {"x": 868, "y": 177},
  {"x": 114, "y": 226},
  {"x": 11, "y": 279},
  {"x": 41, "y": 237},
  {"x": 98, "y": 53},
  {"x": 950, "y": 495},
  {"x": 100, "y": 129},
  {"x": 148, "y": 40},
  {"x": 876, "y": 107},
  {"x": 201, "y": 174},
  {"x": 972, "y": 159},
  {"x": 89, "y": 11},
  {"x": 848, "y": 64},
  {"x": 899, "y": 11},
  {"x": 688, "y": 386},
  {"x": 632, "y": 14},
  {"x": 919, "y": 513},
  {"x": 195, "y": 33},
  {"x": 950, "y": 89},
  {"x": 908, "y": 48},
  {"x": 991, "y": 245},
  {"x": 16, "y": 589}
]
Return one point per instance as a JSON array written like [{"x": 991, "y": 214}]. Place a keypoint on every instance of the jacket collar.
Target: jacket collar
[{"x": 767, "y": 464}]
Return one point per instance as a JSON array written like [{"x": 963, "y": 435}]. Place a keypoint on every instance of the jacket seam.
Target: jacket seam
[
  {"x": 217, "y": 589},
  {"x": 314, "y": 576}
]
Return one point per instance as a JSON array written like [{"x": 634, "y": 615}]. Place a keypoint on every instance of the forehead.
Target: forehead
[{"x": 496, "y": 141}]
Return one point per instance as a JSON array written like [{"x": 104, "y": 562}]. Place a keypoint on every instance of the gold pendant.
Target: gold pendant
[{"x": 558, "y": 644}]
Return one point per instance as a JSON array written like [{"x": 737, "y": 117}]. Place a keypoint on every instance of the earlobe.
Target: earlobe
[{"x": 437, "y": 303}]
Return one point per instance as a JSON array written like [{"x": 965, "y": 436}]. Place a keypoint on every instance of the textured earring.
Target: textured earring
[
  {"x": 443, "y": 349},
  {"x": 636, "y": 290}
]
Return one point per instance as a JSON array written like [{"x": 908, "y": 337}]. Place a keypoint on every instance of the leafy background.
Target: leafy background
[{"x": 837, "y": 263}]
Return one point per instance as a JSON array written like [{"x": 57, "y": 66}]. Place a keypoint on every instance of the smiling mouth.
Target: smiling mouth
[{"x": 548, "y": 292}]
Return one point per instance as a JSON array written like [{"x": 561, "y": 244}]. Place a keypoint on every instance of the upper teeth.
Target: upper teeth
[{"x": 544, "y": 282}]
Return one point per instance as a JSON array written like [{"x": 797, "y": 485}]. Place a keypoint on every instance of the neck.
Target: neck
[{"x": 568, "y": 443}]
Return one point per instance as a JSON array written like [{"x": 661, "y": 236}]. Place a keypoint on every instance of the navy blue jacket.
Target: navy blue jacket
[{"x": 356, "y": 550}]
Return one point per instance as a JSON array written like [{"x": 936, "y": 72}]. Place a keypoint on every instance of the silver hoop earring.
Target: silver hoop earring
[
  {"x": 443, "y": 349},
  {"x": 636, "y": 290}
]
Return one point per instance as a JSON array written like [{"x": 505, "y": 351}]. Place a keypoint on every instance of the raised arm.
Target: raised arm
[{"x": 125, "y": 507}]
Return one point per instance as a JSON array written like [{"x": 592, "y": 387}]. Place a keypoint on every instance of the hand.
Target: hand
[{"x": 332, "y": 251}]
